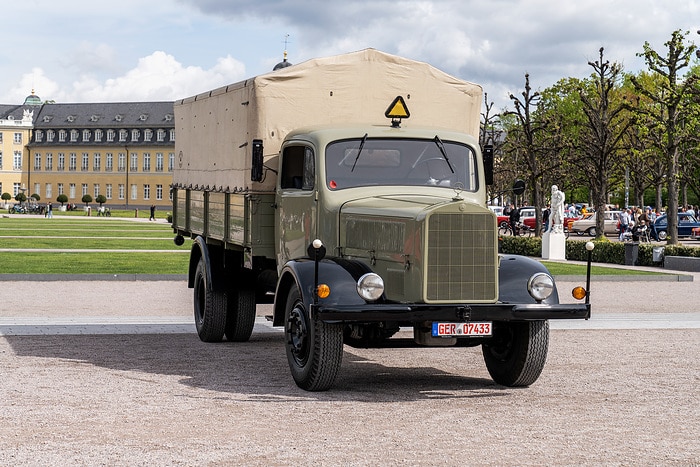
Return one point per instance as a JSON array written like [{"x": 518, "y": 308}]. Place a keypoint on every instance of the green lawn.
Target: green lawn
[
  {"x": 64, "y": 233},
  {"x": 567, "y": 269}
]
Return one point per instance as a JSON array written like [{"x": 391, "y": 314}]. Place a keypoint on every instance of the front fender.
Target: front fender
[
  {"x": 513, "y": 273},
  {"x": 300, "y": 273}
]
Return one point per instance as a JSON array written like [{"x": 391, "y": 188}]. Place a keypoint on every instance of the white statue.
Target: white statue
[{"x": 556, "y": 218}]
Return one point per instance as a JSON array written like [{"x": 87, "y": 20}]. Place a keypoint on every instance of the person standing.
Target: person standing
[
  {"x": 153, "y": 213},
  {"x": 49, "y": 211}
]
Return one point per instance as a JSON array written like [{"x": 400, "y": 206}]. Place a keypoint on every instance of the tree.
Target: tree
[
  {"x": 604, "y": 129},
  {"x": 6, "y": 197},
  {"x": 36, "y": 196},
  {"x": 101, "y": 199},
  {"x": 670, "y": 98},
  {"x": 62, "y": 198},
  {"x": 20, "y": 197},
  {"x": 87, "y": 199}
]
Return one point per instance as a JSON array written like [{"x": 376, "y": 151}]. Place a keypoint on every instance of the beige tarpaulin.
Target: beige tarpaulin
[{"x": 214, "y": 130}]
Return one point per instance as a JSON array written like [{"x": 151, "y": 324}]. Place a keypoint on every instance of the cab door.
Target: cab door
[{"x": 296, "y": 202}]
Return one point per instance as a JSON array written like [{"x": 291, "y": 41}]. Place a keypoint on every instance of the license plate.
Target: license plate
[{"x": 461, "y": 329}]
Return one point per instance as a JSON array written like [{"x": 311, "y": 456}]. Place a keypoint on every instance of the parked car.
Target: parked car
[
  {"x": 586, "y": 225},
  {"x": 686, "y": 223},
  {"x": 498, "y": 210}
]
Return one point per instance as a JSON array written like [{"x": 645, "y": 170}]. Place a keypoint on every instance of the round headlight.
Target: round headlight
[
  {"x": 370, "y": 286},
  {"x": 540, "y": 286}
]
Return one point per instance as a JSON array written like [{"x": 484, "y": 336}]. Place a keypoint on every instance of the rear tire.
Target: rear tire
[
  {"x": 314, "y": 348},
  {"x": 591, "y": 231},
  {"x": 209, "y": 306},
  {"x": 517, "y": 352},
  {"x": 240, "y": 313}
]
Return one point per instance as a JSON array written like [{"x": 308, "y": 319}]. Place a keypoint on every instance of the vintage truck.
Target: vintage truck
[{"x": 350, "y": 191}]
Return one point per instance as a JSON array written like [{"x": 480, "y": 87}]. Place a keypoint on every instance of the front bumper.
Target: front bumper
[{"x": 417, "y": 313}]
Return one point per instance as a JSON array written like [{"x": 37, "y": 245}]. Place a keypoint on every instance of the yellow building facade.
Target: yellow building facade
[{"x": 122, "y": 151}]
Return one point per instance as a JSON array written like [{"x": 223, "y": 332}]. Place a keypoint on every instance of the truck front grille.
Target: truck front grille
[{"x": 461, "y": 260}]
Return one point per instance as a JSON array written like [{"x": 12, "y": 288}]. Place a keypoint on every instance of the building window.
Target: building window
[
  {"x": 74, "y": 136},
  {"x": 96, "y": 162},
  {"x": 37, "y": 188},
  {"x": 38, "y": 136},
  {"x": 86, "y": 136},
  {"x": 17, "y": 160},
  {"x": 49, "y": 193},
  {"x": 159, "y": 192},
  {"x": 49, "y": 161},
  {"x": 134, "y": 191},
  {"x": 123, "y": 135},
  {"x": 147, "y": 135},
  {"x": 109, "y": 162},
  {"x": 84, "y": 189},
  {"x": 50, "y": 135},
  {"x": 171, "y": 161},
  {"x": 86, "y": 162},
  {"x": 159, "y": 162},
  {"x": 172, "y": 135},
  {"x": 110, "y": 136},
  {"x": 0, "y": 163},
  {"x": 146, "y": 162},
  {"x": 98, "y": 135},
  {"x": 72, "y": 162},
  {"x": 147, "y": 192},
  {"x": 18, "y": 138},
  {"x": 161, "y": 135},
  {"x": 15, "y": 189},
  {"x": 108, "y": 191},
  {"x": 60, "y": 189},
  {"x": 71, "y": 191},
  {"x": 135, "y": 135},
  {"x": 61, "y": 136},
  {"x": 37, "y": 161},
  {"x": 121, "y": 163},
  {"x": 0, "y": 137},
  {"x": 134, "y": 167},
  {"x": 61, "y": 162},
  {"x": 96, "y": 190},
  {"x": 121, "y": 191}
]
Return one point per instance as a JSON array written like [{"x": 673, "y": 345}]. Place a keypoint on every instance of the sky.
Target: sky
[{"x": 72, "y": 51}]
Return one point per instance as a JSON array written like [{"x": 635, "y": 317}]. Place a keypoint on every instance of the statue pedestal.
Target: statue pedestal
[{"x": 553, "y": 245}]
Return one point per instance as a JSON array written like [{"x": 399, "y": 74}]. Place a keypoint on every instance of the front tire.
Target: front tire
[
  {"x": 209, "y": 306},
  {"x": 314, "y": 348},
  {"x": 591, "y": 231},
  {"x": 517, "y": 352},
  {"x": 663, "y": 235}
]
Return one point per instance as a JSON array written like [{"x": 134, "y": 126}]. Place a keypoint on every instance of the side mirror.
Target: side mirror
[
  {"x": 488, "y": 164},
  {"x": 256, "y": 166},
  {"x": 519, "y": 187}
]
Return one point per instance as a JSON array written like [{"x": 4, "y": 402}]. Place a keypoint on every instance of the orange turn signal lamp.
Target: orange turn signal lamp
[
  {"x": 579, "y": 293},
  {"x": 323, "y": 291}
]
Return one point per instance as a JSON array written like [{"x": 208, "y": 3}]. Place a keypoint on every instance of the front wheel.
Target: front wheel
[
  {"x": 662, "y": 235},
  {"x": 505, "y": 230},
  {"x": 517, "y": 352},
  {"x": 314, "y": 348},
  {"x": 591, "y": 231}
]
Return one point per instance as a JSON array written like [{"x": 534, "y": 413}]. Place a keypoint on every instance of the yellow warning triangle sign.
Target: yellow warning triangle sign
[{"x": 397, "y": 109}]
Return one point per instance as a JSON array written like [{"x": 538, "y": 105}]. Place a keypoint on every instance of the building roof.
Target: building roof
[{"x": 106, "y": 115}]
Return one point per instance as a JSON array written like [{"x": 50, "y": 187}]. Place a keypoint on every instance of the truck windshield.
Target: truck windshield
[{"x": 412, "y": 162}]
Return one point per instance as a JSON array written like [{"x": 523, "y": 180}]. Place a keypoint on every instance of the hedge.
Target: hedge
[{"x": 605, "y": 251}]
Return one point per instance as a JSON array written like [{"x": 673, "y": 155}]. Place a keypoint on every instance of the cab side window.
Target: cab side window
[{"x": 298, "y": 169}]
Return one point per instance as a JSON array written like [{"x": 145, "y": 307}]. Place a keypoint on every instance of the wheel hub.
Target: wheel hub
[{"x": 297, "y": 334}]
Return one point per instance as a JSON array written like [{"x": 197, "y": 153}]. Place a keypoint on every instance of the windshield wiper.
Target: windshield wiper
[
  {"x": 362, "y": 144},
  {"x": 438, "y": 143}
]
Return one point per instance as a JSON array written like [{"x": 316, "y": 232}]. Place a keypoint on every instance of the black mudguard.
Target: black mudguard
[
  {"x": 340, "y": 275},
  {"x": 513, "y": 274}
]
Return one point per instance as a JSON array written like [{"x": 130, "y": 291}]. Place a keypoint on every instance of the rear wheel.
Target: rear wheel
[
  {"x": 591, "y": 231},
  {"x": 517, "y": 352},
  {"x": 209, "y": 306},
  {"x": 505, "y": 230},
  {"x": 314, "y": 348},
  {"x": 240, "y": 313}
]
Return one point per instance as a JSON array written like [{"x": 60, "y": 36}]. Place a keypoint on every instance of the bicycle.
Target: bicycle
[{"x": 521, "y": 230}]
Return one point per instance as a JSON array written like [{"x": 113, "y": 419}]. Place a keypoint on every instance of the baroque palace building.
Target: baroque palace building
[{"x": 124, "y": 151}]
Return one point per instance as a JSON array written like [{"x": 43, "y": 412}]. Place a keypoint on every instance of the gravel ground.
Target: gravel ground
[{"x": 606, "y": 397}]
